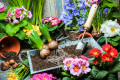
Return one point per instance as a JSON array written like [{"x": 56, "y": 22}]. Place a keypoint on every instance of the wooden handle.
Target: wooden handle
[{"x": 91, "y": 16}]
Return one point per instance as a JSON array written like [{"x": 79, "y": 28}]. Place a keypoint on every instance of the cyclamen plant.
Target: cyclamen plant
[
  {"x": 15, "y": 15},
  {"x": 2, "y": 8},
  {"x": 76, "y": 67},
  {"x": 105, "y": 64},
  {"x": 73, "y": 14}
]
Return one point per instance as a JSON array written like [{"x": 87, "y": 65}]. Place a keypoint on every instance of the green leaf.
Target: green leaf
[
  {"x": 112, "y": 77},
  {"x": 116, "y": 14},
  {"x": 2, "y": 27},
  {"x": 98, "y": 74},
  {"x": 2, "y": 35},
  {"x": 21, "y": 35},
  {"x": 53, "y": 28},
  {"x": 116, "y": 68},
  {"x": 89, "y": 77},
  {"x": 102, "y": 40},
  {"x": 29, "y": 25},
  {"x": 113, "y": 43},
  {"x": 115, "y": 60},
  {"x": 59, "y": 79},
  {"x": 117, "y": 38},
  {"x": 65, "y": 74},
  {"x": 12, "y": 29},
  {"x": 61, "y": 24},
  {"x": 3, "y": 16},
  {"x": 66, "y": 78}
]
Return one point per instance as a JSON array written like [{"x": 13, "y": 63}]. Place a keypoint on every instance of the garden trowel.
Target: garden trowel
[{"x": 82, "y": 45}]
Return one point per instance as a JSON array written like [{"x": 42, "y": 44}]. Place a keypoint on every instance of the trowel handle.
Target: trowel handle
[{"x": 91, "y": 15}]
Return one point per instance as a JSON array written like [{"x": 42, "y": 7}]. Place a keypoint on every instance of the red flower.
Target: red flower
[
  {"x": 113, "y": 52},
  {"x": 95, "y": 52},
  {"x": 96, "y": 62},
  {"x": 107, "y": 47},
  {"x": 106, "y": 57}
]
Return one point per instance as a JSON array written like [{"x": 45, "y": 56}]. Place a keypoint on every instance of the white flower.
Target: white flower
[{"x": 110, "y": 28}]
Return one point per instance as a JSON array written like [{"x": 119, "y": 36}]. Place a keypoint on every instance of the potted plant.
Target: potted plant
[
  {"x": 75, "y": 68},
  {"x": 74, "y": 15},
  {"x": 110, "y": 29},
  {"x": 105, "y": 64},
  {"x": 104, "y": 13}
]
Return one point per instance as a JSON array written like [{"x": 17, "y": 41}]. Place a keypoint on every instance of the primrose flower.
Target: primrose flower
[
  {"x": 75, "y": 68},
  {"x": 12, "y": 76},
  {"x": 54, "y": 22},
  {"x": 67, "y": 62},
  {"x": 95, "y": 62},
  {"x": 2, "y": 8},
  {"x": 9, "y": 15},
  {"x": 85, "y": 67},
  {"x": 29, "y": 15},
  {"x": 106, "y": 57},
  {"x": 107, "y": 47},
  {"x": 95, "y": 52},
  {"x": 15, "y": 22},
  {"x": 85, "y": 58},
  {"x": 113, "y": 52},
  {"x": 95, "y": 1}
]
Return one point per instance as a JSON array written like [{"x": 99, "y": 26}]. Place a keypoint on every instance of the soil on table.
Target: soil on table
[
  {"x": 57, "y": 56},
  {"x": 12, "y": 55},
  {"x": 72, "y": 50}
]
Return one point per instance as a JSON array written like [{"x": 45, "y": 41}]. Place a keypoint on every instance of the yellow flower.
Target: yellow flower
[
  {"x": 29, "y": 31},
  {"x": 12, "y": 76},
  {"x": 23, "y": 66}
]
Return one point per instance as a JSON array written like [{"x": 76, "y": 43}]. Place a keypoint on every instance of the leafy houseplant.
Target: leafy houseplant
[
  {"x": 75, "y": 68},
  {"x": 111, "y": 30},
  {"x": 54, "y": 25},
  {"x": 106, "y": 64}
]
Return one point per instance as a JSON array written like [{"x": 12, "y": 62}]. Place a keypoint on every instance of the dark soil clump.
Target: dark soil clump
[
  {"x": 39, "y": 64},
  {"x": 72, "y": 50}
]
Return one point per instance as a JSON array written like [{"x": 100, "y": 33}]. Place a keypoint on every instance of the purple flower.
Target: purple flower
[
  {"x": 106, "y": 10},
  {"x": 67, "y": 1},
  {"x": 15, "y": 22},
  {"x": 67, "y": 22},
  {"x": 81, "y": 29},
  {"x": 8, "y": 20},
  {"x": 81, "y": 21},
  {"x": 76, "y": 12},
  {"x": 29, "y": 15},
  {"x": 21, "y": 17}
]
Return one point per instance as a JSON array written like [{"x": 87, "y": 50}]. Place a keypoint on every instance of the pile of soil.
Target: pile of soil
[
  {"x": 72, "y": 50},
  {"x": 12, "y": 55},
  {"x": 57, "y": 56}
]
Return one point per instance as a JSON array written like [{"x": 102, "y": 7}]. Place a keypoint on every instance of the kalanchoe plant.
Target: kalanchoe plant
[
  {"x": 105, "y": 64},
  {"x": 74, "y": 68},
  {"x": 73, "y": 14}
]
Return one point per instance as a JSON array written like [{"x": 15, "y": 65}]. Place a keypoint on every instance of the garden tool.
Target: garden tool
[{"x": 82, "y": 45}]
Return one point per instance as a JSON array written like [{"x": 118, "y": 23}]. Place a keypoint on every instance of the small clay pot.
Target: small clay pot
[
  {"x": 86, "y": 35},
  {"x": 9, "y": 44}
]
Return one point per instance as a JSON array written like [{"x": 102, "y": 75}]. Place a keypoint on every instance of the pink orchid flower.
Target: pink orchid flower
[
  {"x": 15, "y": 22},
  {"x": 2, "y": 8},
  {"x": 85, "y": 67},
  {"x": 67, "y": 62},
  {"x": 29, "y": 15}
]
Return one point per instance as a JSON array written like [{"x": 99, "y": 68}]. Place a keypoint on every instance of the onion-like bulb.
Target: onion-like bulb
[
  {"x": 53, "y": 44},
  {"x": 45, "y": 46},
  {"x": 44, "y": 53}
]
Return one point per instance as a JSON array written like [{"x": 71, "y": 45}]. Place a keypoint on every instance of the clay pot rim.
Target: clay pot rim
[
  {"x": 18, "y": 45},
  {"x": 88, "y": 34}
]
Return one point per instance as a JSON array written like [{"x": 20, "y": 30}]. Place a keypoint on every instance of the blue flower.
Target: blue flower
[
  {"x": 67, "y": 1},
  {"x": 106, "y": 10},
  {"x": 81, "y": 21},
  {"x": 69, "y": 16},
  {"x": 81, "y": 29},
  {"x": 76, "y": 12},
  {"x": 67, "y": 22},
  {"x": 81, "y": 5},
  {"x": 84, "y": 11},
  {"x": 70, "y": 7}
]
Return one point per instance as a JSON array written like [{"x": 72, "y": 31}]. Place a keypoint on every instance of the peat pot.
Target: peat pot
[{"x": 32, "y": 53}]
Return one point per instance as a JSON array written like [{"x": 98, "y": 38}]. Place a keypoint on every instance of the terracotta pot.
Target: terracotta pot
[
  {"x": 86, "y": 35},
  {"x": 9, "y": 44}
]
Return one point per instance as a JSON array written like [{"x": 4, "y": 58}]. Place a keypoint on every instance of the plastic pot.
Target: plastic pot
[
  {"x": 9, "y": 44},
  {"x": 86, "y": 35}
]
